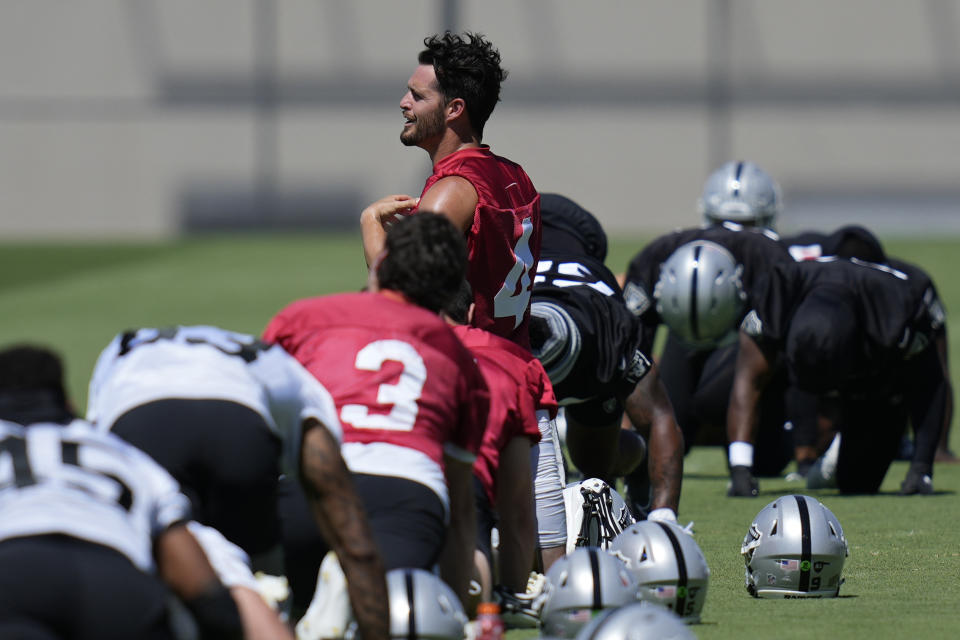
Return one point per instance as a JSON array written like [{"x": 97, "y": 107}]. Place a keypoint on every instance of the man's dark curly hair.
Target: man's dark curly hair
[
  {"x": 458, "y": 308},
  {"x": 426, "y": 260},
  {"x": 467, "y": 67}
]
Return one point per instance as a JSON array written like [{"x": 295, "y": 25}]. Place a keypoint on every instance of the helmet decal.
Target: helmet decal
[
  {"x": 412, "y": 615},
  {"x": 805, "y": 551},
  {"x": 681, "y": 568}
]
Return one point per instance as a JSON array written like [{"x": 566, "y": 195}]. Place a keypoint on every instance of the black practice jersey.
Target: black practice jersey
[
  {"x": 755, "y": 249},
  {"x": 609, "y": 361},
  {"x": 857, "y": 242},
  {"x": 895, "y": 323},
  {"x": 923, "y": 286}
]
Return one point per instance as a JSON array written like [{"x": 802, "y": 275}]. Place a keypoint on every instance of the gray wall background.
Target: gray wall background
[{"x": 148, "y": 118}]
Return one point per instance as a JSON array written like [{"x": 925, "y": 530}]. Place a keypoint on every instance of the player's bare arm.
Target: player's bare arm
[
  {"x": 456, "y": 559},
  {"x": 749, "y": 379},
  {"x": 453, "y": 197},
  {"x": 649, "y": 409},
  {"x": 184, "y": 567},
  {"x": 377, "y": 217},
  {"x": 182, "y": 563},
  {"x": 260, "y": 622},
  {"x": 943, "y": 447},
  {"x": 515, "y": 504},
  {"x": 343, "y": 524}
]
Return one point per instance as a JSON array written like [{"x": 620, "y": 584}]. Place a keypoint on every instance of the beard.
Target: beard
[{"x": 424, "y": 127}]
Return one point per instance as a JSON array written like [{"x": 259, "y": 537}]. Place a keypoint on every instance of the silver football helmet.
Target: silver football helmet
[
  {"x": 668, "y": 565},
  {"x": 795, "y": 548},
  {"x": 740, "y": 192},
  {"x": 581, "y": 585},
  {"x": 423, "y": 606},
  {"x": 596, "y": 514},
  {"x": 636, "y": 621},
  {"x": 700, "y": 294}
]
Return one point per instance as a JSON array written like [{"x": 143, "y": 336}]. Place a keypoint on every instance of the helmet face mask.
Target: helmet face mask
[
  {"x": 699, "y": 294},
  {"x": 582, "y": 584},
  {"x": 596, "y": 514},
  {"x": 740, "y": 192},
  {"x": 795, "y": 548},
  {"x": 668, "y": 565}
]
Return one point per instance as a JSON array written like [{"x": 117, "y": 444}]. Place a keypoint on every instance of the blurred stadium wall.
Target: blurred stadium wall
[{"x": 149, "y": 118}]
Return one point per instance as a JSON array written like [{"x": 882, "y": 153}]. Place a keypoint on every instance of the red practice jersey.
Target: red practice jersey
[
  {"x": 503, "y": 245},
  {"x": 519, "y": 387},
  {"x": 398, "y": 375}
]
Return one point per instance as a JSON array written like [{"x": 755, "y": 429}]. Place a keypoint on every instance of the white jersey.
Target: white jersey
[
  {"x": 202, "y": 362},
  {"x": 75, "y": 481}
]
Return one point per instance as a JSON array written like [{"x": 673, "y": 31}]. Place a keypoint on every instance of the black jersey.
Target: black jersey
[
  {"x": 894, "y": 323},
  {"x": 854, "y": 241},
  {"x": 923, "y": 286},
  {"x": 608, "y": 361},
  {"x": 755, "y": 249}
]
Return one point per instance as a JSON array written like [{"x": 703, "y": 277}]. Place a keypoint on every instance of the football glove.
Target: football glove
[
  {"x": 230, "y": 562},
  {"x": 666, "y": 514},
  {"x": 918, "y": 481}
]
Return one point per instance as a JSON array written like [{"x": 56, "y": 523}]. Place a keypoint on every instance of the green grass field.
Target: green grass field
[{"x": 903, "y": 574}]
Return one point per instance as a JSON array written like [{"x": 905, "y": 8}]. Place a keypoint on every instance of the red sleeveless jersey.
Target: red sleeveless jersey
[
  {"x": 519, "y": 387},
  {"x": 397, "y": 373},
  {"x": 503, "y": 244}
]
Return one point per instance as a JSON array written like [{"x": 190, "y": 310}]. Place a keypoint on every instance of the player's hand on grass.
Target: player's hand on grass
[
  {"x": 918, "y": 481},
  {"x": 742, "y": 483}
]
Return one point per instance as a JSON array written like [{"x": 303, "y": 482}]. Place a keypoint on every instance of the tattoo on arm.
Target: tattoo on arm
[{"x": 343, "y": 524}]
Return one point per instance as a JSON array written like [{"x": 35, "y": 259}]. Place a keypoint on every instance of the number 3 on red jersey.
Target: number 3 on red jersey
[
  {"x": 403, "y": 395},
  {"x": 511, "y": 300}
]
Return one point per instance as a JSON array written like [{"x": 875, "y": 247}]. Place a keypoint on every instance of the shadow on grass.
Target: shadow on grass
[{"x": 699, "y": 475}]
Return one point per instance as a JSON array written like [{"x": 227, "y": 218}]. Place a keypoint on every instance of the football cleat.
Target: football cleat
[
  {"x": 329, "y": 614},
  {"x": 522, "y": 610},
  {"x": 742, "y": 483}
]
